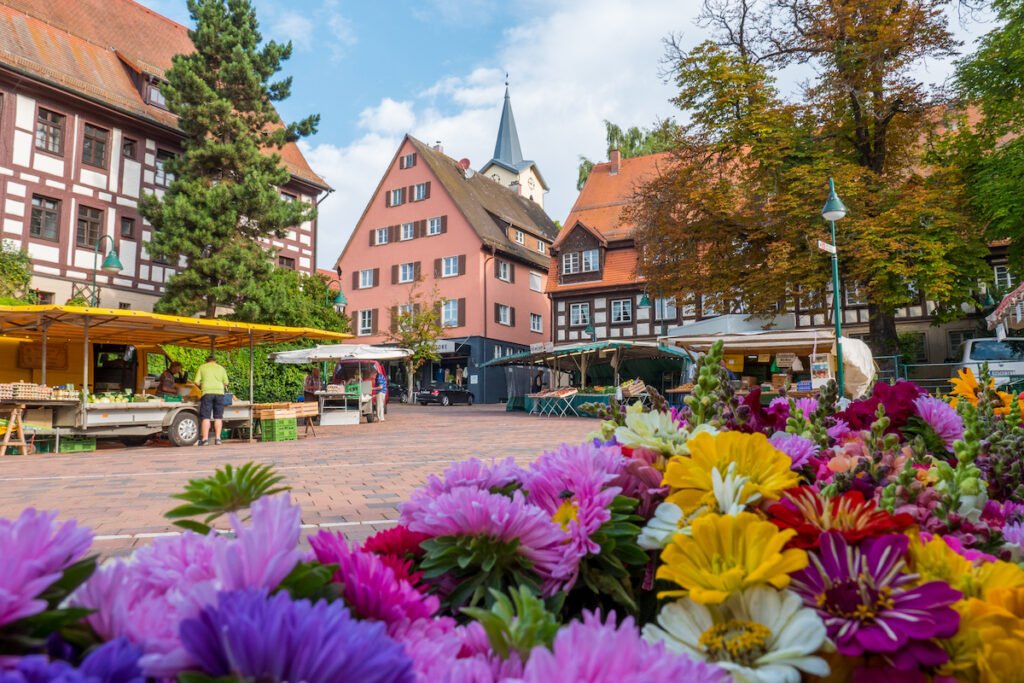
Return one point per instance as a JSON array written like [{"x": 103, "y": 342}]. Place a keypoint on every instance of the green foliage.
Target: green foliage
[
  {"x": 228, "y": 490},
  {"x": 632, "y": 142},
  {"x": 609, "y": 572},
  {"x": 224, "y": 196},
  {"x": 312, "y": 581},
  {"x": 517, "y": 625},
  {"x": 704, "y": 402},
  {"x": 483, "y": 566},
  {"x": 295, "y": 300},
  {"x": 272, "y": 382},
  {"x": 15, "y": 273}
]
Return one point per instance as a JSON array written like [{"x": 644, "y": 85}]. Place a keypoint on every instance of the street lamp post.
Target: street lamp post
[
  {"x": 339, "y": 301},
  {"x": 645, "y": 302},
  {"x": 833, "y": 211},
  {"x": 111, "y": 265}
]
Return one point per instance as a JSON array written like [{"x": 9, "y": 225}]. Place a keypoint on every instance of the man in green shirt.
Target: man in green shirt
[{"x": 212, "y": 379}]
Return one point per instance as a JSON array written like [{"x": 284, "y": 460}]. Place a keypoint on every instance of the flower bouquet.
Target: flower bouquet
[{"x": 722, "y": 541}]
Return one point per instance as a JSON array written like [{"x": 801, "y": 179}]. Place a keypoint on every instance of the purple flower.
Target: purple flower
[
  {"x": 839, "y": 431},
  {"x": 863, "y": 597},
  {"x": 472, "y": 472},
  {"x": 371, "y": 589},
  {"x": 594, "y": 652},
  {"x": 34, "y": 552},
  {"x": 941, "y": 417},
  {"x": 113, "y": 662},
  {"x": 39, "y": 669},
  {"x": 263, "y": 554},
  {"x": 250, "y": 635},
  {"x": 799, "y": 449},
  {"x": 572, "y": 485},
  {"x": 470, "y": 511},
  {"x": 462, "y": 655}
]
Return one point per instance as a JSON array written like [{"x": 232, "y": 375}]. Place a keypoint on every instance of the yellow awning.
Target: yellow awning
[{"x": 107, "y": 325}]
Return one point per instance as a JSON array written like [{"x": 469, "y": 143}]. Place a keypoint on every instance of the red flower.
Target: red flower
[
  {"x": 398, "y": 541},
  {"x": 403, "y": 571},
  {"x": 811, "y": 514}
]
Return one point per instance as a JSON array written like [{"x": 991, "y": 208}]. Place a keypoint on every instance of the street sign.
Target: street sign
[
  {"x": 445, "y": 346},
  {"x": 825, "y": 246}
]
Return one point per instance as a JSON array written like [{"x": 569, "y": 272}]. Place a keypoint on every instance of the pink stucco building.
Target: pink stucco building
[{"x": 434, "y": 222}]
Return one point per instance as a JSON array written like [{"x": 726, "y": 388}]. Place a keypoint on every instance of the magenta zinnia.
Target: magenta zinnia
[
  {"x": 34, "y": 552},
  {"x": 942, "y": 418},
  {"x": 472, "y": 473},
  {"x": 869, "y": 606}
]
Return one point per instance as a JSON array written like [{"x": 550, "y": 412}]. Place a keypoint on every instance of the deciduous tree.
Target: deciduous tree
[
  {"x": 416, "y": 325},
  {"x": 632, "y": 142},
  {"x": 224, "y": 195}
]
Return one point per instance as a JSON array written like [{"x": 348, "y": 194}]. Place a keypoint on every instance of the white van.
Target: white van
[{"x": 1005, "y": 358}]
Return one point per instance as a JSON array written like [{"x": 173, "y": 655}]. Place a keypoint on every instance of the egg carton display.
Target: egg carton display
[{"x": 26, "y": 391}]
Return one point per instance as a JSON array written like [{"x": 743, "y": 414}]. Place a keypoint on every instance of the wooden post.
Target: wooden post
[
  {"x": 251, "y": 439},
  {"x": 85, "y": 372},
  {"x": 583, "y": 371},
  {"x": 45, "y": 326}
]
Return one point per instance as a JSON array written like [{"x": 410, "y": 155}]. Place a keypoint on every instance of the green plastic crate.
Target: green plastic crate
[
  {"x": 280, "y": 430},
  {"x": 44, "y": 445},
  {"x": 77, "y": 444}
]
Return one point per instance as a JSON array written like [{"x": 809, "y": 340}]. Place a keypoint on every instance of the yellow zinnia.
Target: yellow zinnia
[
  {"x": 765, "y": 467},
  {"x": 936, "y": 561},
  {"x": 727, "y": 553},
  {"x": 985, "y": 632},
  {"x": 967, "y": 387}
]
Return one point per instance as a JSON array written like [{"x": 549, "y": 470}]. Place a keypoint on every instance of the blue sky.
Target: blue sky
[{"x": 435, "y": 68}]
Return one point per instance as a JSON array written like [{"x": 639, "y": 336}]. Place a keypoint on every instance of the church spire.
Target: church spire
[{"x": 506, "y": 148}]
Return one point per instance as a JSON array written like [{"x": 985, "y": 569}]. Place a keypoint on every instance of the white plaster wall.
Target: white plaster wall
[
  {"x": 48, "y": 164},
  {"x": 22, "y": 150}
]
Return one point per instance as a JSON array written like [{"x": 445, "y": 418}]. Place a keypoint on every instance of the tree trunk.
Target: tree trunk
[
  {"x": 211, "y": 308},
  {"x": 408, "y": 371},
  {"x": 882, "y": 330}
]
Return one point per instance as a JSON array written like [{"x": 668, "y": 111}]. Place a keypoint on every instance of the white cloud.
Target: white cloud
[
  {"x": 295, "y": 27},
  {"x": 389, "y": 117}
]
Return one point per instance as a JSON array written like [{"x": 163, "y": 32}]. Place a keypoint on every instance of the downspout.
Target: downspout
[{"x": 483, "y": 371}]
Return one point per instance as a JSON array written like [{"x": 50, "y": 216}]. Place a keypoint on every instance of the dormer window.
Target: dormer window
[
  {"x": 154, "y": 96},
  {"x": 589, "y": 261},
  {"x": 520, "y": 238},
  {"x": 570, "y": 263}
]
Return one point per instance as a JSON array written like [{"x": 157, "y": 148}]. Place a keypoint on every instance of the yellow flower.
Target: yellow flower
[
  {"x": 977, "y": 644},
  {"x": 566, "y": 513},
  {"x": 966, "y": 387},
  {"x": 936, "y": 561},
  {"x": 765, "y": 467},
  {"x": 727, "y": 553}
]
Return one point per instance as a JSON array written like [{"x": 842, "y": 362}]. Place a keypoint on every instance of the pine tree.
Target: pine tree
[{"x": 224, "y": 196}]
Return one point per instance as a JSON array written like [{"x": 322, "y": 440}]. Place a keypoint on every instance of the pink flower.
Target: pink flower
[
  {"x": 942, "y": 418},
  {"x": 800, "y": 449},
  {"x": 974, "y": 556},
  {"x": 471, "y": 473},
  {"x": 34, "y": 552},
  {"x": 263, "y": 554}
]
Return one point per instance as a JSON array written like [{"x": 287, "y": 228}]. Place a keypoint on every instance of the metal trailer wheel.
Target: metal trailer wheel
[
  {"x": 184, "y": 429},
  {"x": 445, "y": 401},
  {"x": 469, "y": 399}
]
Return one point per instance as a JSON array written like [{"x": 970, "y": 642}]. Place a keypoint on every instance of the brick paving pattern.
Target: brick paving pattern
[{"x": 348, "y": 479}]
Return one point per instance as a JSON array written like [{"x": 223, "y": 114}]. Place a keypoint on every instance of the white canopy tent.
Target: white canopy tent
[{"x": 336, "y": 352}]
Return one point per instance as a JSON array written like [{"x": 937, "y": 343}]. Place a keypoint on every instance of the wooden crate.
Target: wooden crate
[
  {"x": 303, "y": 409},
  {"x": 274, "y": 414}
]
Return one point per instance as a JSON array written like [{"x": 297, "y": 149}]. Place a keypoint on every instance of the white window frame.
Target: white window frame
[
  {"x": 962, "y": 335},
  {"x": 707, "y": 309},
  {"x": 366, "y": 278},
  {"x": 365, "y": 323},
  {"x": 520, "y": 237},
  {"x": 497, "y": 350},
  {"x": 853, "y": 296},
  {"x": 504, "y": 314},
  {"x": 570, "y": 263},
  {"x": 536, "y": 282},
  {"x": 434, "y": 226},
  {"x": 396, "y": 197},
  {"x": 449, "y": 266},
  {"x": 621, "y": 311},
  {"x": 579, "y": 314},
  {"x": 406, "y": 161},
  {"x": 419, "y": 192},
  {"x": 504, "y": 271},
  {"x": 406, "y": 273},
  {"x": 662, "y": 307},
  {"x": 541, "y": 247},
  {"x": 408, "y": 231},
  {"x": 1001, "y": 274},
  {"x": 591, "y": 264},
  {"x": 381, "y": 236},
  {"x": 536, "y": 322},
  {"x": 450, "y": 313}
]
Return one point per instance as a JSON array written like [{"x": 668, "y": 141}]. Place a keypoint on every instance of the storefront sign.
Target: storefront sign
[
  {"x": 785, "y": 360},
  {"x": 537, "y": 347},
  {"x": 30, "y": 356},
  {"x": 445, "y": 346},
  {"x": 472, "y": 379}
]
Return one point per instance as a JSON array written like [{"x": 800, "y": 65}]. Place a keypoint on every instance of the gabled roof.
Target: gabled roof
[
  {"x": 88, "y": 46},
  {"x": 489, "y": 207},
  {"x": 605, "y": 195}
]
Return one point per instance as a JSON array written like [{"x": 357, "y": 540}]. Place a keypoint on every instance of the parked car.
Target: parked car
[
  {"x": 444, "y": 394},
  {"x": 1005, "y": 358},
  {"x": 397, "y": 390}
]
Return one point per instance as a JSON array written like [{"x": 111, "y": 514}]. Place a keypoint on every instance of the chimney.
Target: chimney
[
  {"x": 616, "y": 161},
  {"x": 439, "y": 147}
]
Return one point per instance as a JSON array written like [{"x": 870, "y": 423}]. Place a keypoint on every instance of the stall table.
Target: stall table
[{"x": 13, "y": 410}]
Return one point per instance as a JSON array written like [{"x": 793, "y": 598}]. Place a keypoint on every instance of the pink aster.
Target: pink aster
[
  {"x": 594, "y": 652},
  {"x": 470, "y": 511},
  {"x": 371, "y": 589},
  {"x": 34, "y": 552},
  {"x": 265, "y": 552},
  {"x": 941, "y": 417},
  {"x": 472, "y": 472},
  {"x": 800, "y": 449}
]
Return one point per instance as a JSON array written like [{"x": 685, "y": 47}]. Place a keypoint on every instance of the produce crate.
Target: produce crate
[
  {"x": 44, "y": 445},
  {"x": 303, "y": 409},
  {"x": 280, "y": 430},
  {"x": 77, "y": 444},
  {"x": 275, "y": 414}
]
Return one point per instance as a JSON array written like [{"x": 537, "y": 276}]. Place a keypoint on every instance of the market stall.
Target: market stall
[
  {"x": 37, "y": 348},
  {"x": 346, "y": 396}
]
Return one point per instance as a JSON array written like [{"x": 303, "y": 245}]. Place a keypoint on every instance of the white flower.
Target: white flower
[
  {"x": 760, "y": 635},
  {"x": 654, "y": 429},
  {"x": 729, "y": 491},
  {"x": 666, "y": 523}
]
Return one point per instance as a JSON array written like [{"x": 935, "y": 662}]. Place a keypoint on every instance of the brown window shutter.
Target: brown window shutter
[
  {"x": 355, "y": 280},
  {"x": 462, "y": 312},
  {"x": 410, "y": 193},
  {"x": 462, "y": 264},
  {"x": 416, "y": 272},
  {"x": 376, "y": 276},
  {"x": 497, "y": 267},
  {"x": 373, "y": 321},
  {"x": 437, "y": 268},
  {"x": 415, "y": 309},
  {"x": 512, "y": 316},
  {"x": 393, "y": 233},
  {"x": 394, "y": 318},
  {"x": 497, "y": 312},
  {"x": 421, "y": 230},
  {"x": 427, "y": 194},
  {"x": 444, "y": 224},
  {"x": 387, "y": 198},
  {"x": 413, "y": 160},
  {"x": 511, "y": 272},
  {"x": 373, "y": 238},
  {"x": 394, "y": 274}
]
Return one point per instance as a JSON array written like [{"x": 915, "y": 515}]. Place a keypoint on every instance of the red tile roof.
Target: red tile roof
[
  {"x": 619, "y": 269},
  {"x": 87, "y": 46}
]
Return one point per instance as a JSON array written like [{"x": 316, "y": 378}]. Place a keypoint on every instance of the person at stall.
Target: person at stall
[
  {"x": 166, "y": 383},
  {"x": 311, "y": 386},
  {"x": 538, "y": 383},
  {"x": 380, "y": 388},
  {"x": 212, "y": 379}
]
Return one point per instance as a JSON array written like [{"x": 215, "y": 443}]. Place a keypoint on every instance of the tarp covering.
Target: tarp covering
[
  {"x": 733, "y": 323},
  {"x": 334, "y": 352},
  {"x": 638, "y": 349},
  {"x": 115, "y": 326}
]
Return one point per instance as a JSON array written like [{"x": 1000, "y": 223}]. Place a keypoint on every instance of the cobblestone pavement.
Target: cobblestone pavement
[{"x": 347, "y": 479}]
